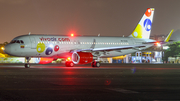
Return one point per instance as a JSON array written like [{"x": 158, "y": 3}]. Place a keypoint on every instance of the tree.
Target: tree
[
  {"x": 174, "y": 50},
  {"x": 5, "y": 43}
]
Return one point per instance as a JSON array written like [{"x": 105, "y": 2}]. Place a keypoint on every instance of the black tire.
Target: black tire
[
  {"x": 69, "y": 64},
  {"x": 27, "y": 65},
  {"x": 92, "y": 64},
  {"x": 98, "y": 64}
]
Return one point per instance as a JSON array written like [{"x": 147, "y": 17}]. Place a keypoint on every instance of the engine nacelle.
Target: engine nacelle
[
  {"x": 82, "y": 57},
  {"x": 44, "y": 60}
]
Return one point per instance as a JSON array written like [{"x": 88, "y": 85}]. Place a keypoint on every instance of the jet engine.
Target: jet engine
[
  {"x": 82, "y": 57},
  {"x": 44, "y": 60}
]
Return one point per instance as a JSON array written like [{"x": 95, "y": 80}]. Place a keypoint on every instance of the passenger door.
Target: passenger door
[{"x": 33, "y": 42}]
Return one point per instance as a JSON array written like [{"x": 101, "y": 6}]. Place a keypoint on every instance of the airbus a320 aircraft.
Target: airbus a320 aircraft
[{"x": 82, "y": 49}]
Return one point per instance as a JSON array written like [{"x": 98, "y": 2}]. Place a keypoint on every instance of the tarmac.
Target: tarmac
[{"x": 110, "y": 82}]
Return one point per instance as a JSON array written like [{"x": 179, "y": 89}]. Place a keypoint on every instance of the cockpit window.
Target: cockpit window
[
  {"x": 13, "y": 41},
  {"x": 17, "y": 41},
  {"x": 22, "y": 42}
]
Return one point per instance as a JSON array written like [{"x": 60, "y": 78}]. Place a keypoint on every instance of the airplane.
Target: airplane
[{"x": 82, "y": 49}]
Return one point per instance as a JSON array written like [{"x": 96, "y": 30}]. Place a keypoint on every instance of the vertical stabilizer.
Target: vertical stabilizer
[{"x": 143, "y": 29}]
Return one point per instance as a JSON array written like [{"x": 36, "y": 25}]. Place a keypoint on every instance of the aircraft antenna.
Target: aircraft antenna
[
  {"x": 99, "y": 34},
  {"x": 29, "y": 33}
]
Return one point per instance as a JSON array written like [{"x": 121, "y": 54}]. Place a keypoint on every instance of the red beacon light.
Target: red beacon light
[
  {"x": 158, "y": 44},
  {"x": 72, "y": 34}
]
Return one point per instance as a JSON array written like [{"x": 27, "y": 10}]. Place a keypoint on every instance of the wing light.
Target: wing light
[
  {"x": 68, "y": 59},
  {"x": 158, "y": 44}
]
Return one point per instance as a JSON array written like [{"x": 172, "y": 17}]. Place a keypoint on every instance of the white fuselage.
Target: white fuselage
[{"x": 44, "y": 45}]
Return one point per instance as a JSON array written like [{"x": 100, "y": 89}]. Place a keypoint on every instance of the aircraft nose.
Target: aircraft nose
[{"x": 7, "y": 49}]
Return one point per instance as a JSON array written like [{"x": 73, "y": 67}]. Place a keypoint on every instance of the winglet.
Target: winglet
[{"x": 169, "y": 36}]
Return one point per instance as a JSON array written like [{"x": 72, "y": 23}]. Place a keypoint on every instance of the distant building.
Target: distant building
[{"x": 158, "y": 37}]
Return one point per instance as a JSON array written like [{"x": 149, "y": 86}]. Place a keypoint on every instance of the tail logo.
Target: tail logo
[
  {"x": 147, "y": 24},
  {"x": 148, "y": 12},
  {"x": 137, "y": 31},
  {"x": 143, "y": 28}
]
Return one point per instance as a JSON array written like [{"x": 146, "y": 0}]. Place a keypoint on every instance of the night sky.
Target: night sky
[{"x": 84, "y": 17}]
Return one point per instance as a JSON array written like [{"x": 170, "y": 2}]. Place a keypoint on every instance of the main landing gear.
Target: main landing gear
[
  {"x": 27, "y": 65},
  {"x": 69, "y": 64},
  {"x": 95, "y": 64}
]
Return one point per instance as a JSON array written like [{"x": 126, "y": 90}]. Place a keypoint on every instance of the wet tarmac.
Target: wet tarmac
[{"x": 110, "y": 82}]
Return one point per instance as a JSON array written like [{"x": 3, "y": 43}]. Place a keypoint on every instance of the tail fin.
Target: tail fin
[{"x": 143, "y": 29}]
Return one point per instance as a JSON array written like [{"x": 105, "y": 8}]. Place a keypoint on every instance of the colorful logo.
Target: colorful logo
[
  {"x": 147, "y": 24},
  {"x": 56, "y": 48},
  {"x": 137, "y": 32},
  {"x": 49, "y": 50},
  {"x": 40, "y": 47},
  {"x": 148, "y": 12},
  {"x": 144, "y": 27}
]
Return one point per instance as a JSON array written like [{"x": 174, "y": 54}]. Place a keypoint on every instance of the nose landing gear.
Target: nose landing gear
[{"x": 27, "y": 65}]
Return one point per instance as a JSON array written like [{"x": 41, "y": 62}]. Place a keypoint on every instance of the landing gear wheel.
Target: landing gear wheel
[
  {"x": 27, "y": 65},
  {"x": 92, "y": 64},
  {"x": 98, "y": 64},
  {"x": 69, "y": 64},
  {"x": 95, "y": 64}
]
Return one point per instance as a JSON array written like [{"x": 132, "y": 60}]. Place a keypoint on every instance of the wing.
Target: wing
[
  {"x": 119, "y": 48},
  {"x": 110, "y": 48}
]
